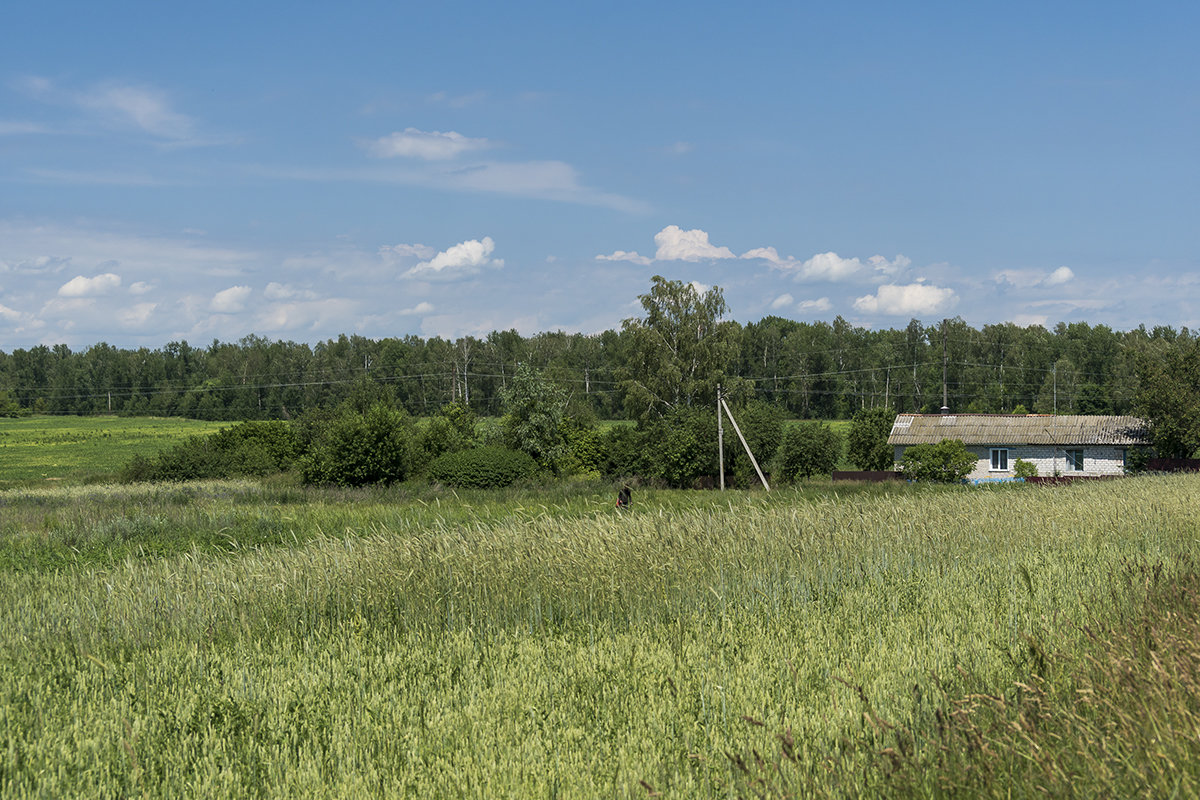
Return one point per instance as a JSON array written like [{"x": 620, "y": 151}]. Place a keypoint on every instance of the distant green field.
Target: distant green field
[{"x": 85, "y": 448}]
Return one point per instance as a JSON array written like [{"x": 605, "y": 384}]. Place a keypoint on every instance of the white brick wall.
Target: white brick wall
[{"x": 1097, "y": 460}]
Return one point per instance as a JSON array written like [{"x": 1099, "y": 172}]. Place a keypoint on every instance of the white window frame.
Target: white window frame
[
  {"x": 1073, "y": 464},
  {"x": 998, "y": 458}
]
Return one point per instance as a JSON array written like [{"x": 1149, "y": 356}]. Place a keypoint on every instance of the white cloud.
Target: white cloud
[
  {"x": 231, "y": 300},
  {"x": 699, "y": 288},
  {"x": 333, "y": 313},
  {"x": 417, "y": 310},
  {"x": 676, "y": 244},
  {"x": 1059, "y": 276},
  {"x": 770, "y": 255},
  {"x": 914, "y": 298},
  {"x": 426, "y": 145},
  {"x": 80, "y": 286},
  {"x": 136, "y": 315},
  {"x": 818, "y": 306},
  {"x": 829, "y": 266},
  {"x": 1030, "y": 278},
  {"x": 544, "y": 180},
  {"x": 783, "y": 301},
  {"x": 1030, "y": 320},
  {"x": 680, "y": 148},
  {"x": 461, "y": 260},
  {"x": 140, "y": 287},
  {"x": 11, "y": 314},
  {"x": 621, "y": 255},
  {"x": 146, "y": 108},
  {"x": 889, "y": 268}
]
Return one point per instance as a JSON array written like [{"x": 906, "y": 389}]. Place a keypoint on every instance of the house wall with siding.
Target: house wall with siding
[{"x": 1097, "y": 460}]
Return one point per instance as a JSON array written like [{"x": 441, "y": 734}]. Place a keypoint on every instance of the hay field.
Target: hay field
[{"x": 272, "y": 641}]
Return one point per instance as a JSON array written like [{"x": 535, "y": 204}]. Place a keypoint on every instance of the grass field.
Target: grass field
[
  {"x": 264, "y": 640},
  {"x": 35, "y": 449}
]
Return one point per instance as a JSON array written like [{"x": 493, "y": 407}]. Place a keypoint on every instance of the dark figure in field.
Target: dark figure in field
[{"x": 624, "y": 497}]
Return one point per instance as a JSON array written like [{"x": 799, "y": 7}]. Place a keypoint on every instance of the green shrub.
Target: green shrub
[
  {"x": 1024, "y": 469},
  {"x": 363, "y": 448},
  {"x": 585, "y": 449},
  {"x": 948, "y": 461},
  {"x": 482, "y": 467},
  {"x": 249, "y": 448},
  {"x": 866, "y": 444},
  {"x": 681, "y": 448},
  {"x": 534, "y": 410},
  {"x": 808, "y": 449},
  {"x": 439, "y": 436},
  {"x": 624, "y": 452}
]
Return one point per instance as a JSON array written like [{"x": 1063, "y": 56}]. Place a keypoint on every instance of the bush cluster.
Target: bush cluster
[
  {"x": 948, "y": 461},
  {"x": 482, "y": 467},
  {"x": 378, "y": 446},
  {"x": 808, "y": 449},
  {"x": 246, "y": 449}
]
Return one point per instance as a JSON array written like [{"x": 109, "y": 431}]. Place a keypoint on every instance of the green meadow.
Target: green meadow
[
  {"x": 35, "y": 449},
  {"x": 261, "y": 639}
]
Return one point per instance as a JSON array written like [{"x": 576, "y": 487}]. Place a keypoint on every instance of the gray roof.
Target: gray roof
[{"x": 1048, "y": 429}]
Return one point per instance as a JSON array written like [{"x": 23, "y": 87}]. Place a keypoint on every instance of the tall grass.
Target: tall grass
[{"x": 422, "y": 646}]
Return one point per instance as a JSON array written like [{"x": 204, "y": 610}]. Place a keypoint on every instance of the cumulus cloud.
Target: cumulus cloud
[
  {"x": 911, "y": 299},
  {"x": 818, "y": 306},
  {"x": 1031, "y": 278},
  {"x": 417, "y": 310},
  {"x": 676, "y": 244},
  {"x": 140, "y": 287},
  {"x": 425, "y": 145},
  {"x": 632, "y": 257},
  {"x": 461, "y": 260},
  {"x": 830, "y": 266},
  {"x": 783, "y": 301},
  {"x": 231, "y": 300},
  {"x": 11, "y": 314},
  {"x": 889, "y": 268},
  {"x": 80, "y": 286},
  {"x": 1059, "y": 276}
]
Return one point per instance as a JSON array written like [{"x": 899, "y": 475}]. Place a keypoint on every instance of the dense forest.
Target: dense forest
[{"x": 813, "y": 370}]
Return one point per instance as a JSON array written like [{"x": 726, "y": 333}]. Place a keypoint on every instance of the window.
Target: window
[
  {"x": 1075, "y": 460},
  {"x": 999, "y": 459}
]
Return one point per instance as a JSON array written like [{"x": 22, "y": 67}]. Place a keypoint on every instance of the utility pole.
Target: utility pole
[
  {"x": 720, "y": 439},
  {"x": 945, "y": 404}
]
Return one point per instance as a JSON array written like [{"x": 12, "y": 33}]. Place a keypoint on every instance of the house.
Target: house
[{"x": 1064, "y": 445}]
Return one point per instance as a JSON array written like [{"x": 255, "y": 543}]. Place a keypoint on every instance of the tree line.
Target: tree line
[{"x": 674, "y": 355}]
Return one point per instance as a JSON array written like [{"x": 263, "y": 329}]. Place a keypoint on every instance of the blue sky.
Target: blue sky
[{"x": 299, "y": 171}]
